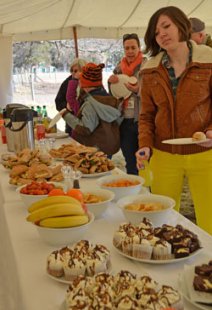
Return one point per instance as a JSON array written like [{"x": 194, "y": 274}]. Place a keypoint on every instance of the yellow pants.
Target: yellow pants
[{"x": 168, "y": 172}]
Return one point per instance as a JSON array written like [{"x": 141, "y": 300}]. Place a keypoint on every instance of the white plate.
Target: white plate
[
  {"x": 64, "y": 281},
  {"x": 96, "y": 175},
  {"x": 63, "y": 306},
  {"x": 15, "y": 185},
  {"x": 195, "y": 296},
  {"x": 184, "y": 292},
  {"x": 183, "y": 141},
  {"x": 57, "y": 117},
  {"x": 159, "y": 261},
  {"x": 57, "y": 135},
  {"x": 119, "y": 90},
  {"x": 59, "y": 279}
]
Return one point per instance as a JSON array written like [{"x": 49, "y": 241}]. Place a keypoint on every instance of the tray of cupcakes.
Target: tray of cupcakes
[
  {"x": 159, "y": 245},
  {"x": 79, "y": 259},
  {"x": 122, "y": 290}
]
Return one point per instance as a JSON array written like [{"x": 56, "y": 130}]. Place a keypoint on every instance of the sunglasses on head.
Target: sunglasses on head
[{"x": 129, "y": 36}]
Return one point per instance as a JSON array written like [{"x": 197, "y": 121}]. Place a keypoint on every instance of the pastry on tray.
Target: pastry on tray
[
  {"x": 123, "y": 290},
  {"x": 143, "y": 241},
  {"x": 203, "y": 278},
  {"x": 82, "y": 258}
]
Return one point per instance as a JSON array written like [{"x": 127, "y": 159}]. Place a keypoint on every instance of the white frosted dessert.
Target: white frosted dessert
[
  {"x": 123, "y": 291},
  {"x": 82, "y": 258}
]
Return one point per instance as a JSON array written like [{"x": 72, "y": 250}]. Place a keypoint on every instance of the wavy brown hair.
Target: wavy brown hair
[{"x": 177, "y": 16}]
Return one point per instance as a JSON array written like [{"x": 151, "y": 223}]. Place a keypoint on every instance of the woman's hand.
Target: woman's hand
[
  {"x": 208, "y": 136},
  {"x": 63, "y": 111},
  {"x": 132, "y": 87},
  {"x": 142, "y": 155},
  {"x": 68, "y": 107},
  {"x": 113, "y": 79}
]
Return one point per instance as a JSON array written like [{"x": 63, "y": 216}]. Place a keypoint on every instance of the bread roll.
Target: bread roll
[{"x": 198, "y": 135}]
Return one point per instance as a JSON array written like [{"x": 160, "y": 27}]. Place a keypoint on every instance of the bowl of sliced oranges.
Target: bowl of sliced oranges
[{"x": 122, "y": 185}]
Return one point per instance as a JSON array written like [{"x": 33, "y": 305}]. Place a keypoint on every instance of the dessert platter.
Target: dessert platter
[
  {"x": 123, "y": 290},
  {"x": 82, "y": 258},
  {"x": 161, "y": 245},
  {"x": 159, "y": 261},
  {"x": 196, "y": 284}
]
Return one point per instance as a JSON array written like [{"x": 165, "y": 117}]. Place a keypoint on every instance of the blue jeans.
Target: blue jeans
[{"x": 129, "y": 143}]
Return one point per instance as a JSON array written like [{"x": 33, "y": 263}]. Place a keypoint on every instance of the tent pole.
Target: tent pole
[{"x": 75, "y": 41}]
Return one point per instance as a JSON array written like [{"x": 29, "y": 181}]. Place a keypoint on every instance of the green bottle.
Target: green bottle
[
  {"x": 44, "y": 111},
  {"x": 38, "y": 109}
]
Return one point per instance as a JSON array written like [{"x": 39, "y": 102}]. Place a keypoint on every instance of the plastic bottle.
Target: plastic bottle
[
  {"x": 45, "y": 118},
  {"x": 146, "y": 172},
  {"x": 40, "y": 131}
]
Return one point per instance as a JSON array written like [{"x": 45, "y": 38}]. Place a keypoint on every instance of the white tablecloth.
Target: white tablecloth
[{"x": 24, "y": 284}]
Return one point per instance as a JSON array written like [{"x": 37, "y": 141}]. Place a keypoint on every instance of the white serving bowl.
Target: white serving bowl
[
  {"x": 98, "y": 208},
  {"x": 64, "y": 236},
  {"x": 125, "y": 190},
  {"x": 157, "y": 218},
  {"x": 29, "y": 199}
]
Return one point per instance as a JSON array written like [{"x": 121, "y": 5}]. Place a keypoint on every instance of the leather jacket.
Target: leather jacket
[{"x": 165, "y": 117}]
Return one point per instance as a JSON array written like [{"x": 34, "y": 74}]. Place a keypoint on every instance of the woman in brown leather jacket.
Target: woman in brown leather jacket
[{"x": 176, "y": 96}]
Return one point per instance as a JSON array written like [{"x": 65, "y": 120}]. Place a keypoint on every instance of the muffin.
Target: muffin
[
  {"x": 55, "y": 264},
  {"x": 103, "y": 254},
  {"x": 73, "y": 268},
  {"x": 146, "y": 224},
  {"x": 170, "y": 297},
  {"x": 143, "y": 250},
  {"x": 118, "y": 238},
  {"x": 162, "y": 250},
  {"x": 126, "y": 302}
]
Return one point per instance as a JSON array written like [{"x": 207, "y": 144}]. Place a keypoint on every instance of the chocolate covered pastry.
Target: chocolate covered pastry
[{"x": 203, "y": 279}]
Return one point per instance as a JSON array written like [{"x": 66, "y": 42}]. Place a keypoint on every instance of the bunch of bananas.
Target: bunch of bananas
[{"x": 57, "y": 212}]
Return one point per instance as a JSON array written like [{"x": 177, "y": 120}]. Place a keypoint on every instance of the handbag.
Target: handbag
[{"x": 106, "y": 136}]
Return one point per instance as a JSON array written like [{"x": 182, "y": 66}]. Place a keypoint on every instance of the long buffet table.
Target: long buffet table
[{"x": 24, "y": 284}]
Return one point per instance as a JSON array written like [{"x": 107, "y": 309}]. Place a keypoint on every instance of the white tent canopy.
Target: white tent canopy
[
  {"x": 54, "y": 19},
  {"x": 24, "y": 20}
]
